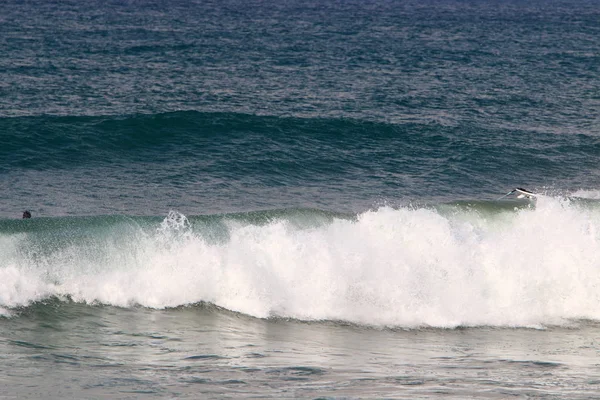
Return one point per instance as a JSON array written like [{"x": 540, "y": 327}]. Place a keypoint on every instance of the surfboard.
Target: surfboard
[{"x": 522, "y": 193}]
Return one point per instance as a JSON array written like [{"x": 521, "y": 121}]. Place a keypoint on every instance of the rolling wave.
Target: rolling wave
[{"x": 463, "y": 264}]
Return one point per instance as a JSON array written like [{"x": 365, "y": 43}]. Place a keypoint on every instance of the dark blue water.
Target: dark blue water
[
  {"x": 299, "y": 199},
  {"x": 138, "y": 107}
]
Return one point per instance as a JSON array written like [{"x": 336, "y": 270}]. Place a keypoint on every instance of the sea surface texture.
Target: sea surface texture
[{"x": 299, "y": 199}]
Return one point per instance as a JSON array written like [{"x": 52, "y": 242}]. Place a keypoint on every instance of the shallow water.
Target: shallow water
[{"x": 58, "y": 350}]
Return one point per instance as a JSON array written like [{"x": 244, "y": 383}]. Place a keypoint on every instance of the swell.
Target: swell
[
  {"x": 33, "y": 142},
  {"x": 279, "y": 151},
  {"x": 49, "y": 137}
]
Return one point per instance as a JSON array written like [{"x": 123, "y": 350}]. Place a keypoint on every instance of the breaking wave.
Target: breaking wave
[{"x": 500, "y": 264}]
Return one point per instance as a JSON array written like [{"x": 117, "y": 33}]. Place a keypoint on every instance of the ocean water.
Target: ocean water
[{"x": 299, "y": 199}]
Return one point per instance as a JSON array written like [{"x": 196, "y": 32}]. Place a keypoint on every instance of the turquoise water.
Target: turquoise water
[{"x": 299, "y": 199}]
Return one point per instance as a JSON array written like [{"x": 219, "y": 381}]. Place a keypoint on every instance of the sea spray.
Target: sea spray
[{"x": 408, "y": 267}]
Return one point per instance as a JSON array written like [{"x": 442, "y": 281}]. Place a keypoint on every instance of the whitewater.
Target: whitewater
[{"x": 512, "y": 264}]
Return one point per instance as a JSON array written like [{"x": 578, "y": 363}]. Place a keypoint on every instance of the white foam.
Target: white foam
[
  {"x": 391, "y": 267},
  {"x": 587, "y": 194}
]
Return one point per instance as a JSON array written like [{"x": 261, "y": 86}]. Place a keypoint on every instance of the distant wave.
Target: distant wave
[
  {"x": 454, "y": 265},
  {"x": 376, "y": 158},
  {"x": 55, "y": 142}
]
